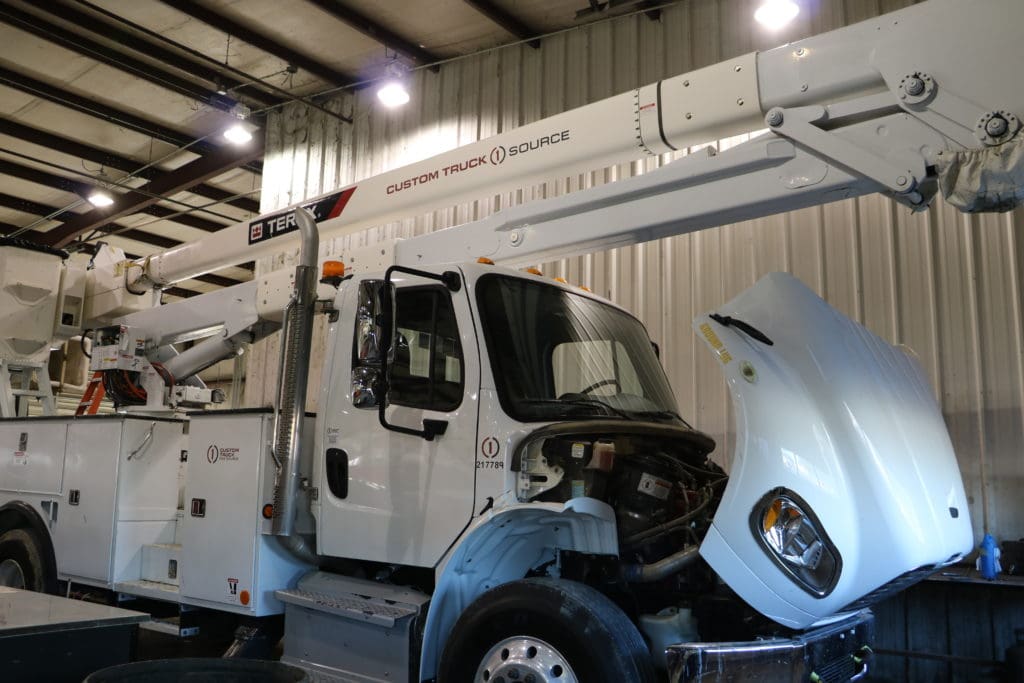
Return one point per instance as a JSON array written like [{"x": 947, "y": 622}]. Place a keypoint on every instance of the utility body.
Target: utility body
[{"x": 497, "y": 485}]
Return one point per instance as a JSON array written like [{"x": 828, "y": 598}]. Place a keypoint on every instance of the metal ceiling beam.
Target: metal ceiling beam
[
  {"x": 191, "y": 220},
  {"x": 39, "y": 209},
  {"x": 506, "y": 20},
  {"x": 595, "y": 7},
  {"x": 375, "y": 31},
  {"x": 169, "y": 57},
  {"x": 57, "y": 143},
  {"x": 31, "y": 236},
  {"x": 111, "y": 57},
  {"x": 175, "y": 181},
  {"x": 219, "y": 66},
  {"x": 82, "y": 188},
  {"x": 91, "y": 107},
  {"x": 258, "y": 40}
]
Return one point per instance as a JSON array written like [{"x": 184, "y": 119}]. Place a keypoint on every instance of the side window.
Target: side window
[{"x": 426, "y": 370}]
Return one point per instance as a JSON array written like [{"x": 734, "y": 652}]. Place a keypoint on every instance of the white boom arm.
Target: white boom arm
[{"x": 896, "y": 104}]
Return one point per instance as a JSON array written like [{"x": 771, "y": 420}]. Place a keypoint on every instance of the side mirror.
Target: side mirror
[
  {"x": 368, "y": 384},
  {"x": 366, "y": 387},
  {"x": 368, "y": 327}
]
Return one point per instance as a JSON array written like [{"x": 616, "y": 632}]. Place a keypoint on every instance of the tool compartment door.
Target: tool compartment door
[
  {"x": 222, "y": 506},
  {"x": 32, "y": 455},
  {"x": 85, "y": 526}
]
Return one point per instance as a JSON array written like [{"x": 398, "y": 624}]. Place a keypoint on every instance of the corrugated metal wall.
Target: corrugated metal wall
[{"x": 946, "y": 285}]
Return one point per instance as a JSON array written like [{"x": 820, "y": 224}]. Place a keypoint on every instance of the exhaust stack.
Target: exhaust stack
[{"x": 293, "y": 376}]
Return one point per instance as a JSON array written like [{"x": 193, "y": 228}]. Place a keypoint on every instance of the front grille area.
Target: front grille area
[{"x": 839, "y": 670}]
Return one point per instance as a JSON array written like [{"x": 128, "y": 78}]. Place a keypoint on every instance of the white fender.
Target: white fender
[{"x": 502, "y": 546}]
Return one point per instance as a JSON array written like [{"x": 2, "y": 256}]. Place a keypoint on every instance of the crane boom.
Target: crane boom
[{"x": 875, "y": 106}]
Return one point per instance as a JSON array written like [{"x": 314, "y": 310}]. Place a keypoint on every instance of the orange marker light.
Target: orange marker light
[
  {"x": 268, "y": 511},
  {"x": 486, "y": 261},
  {"x": 243, "y": 597},
  {"x": 534, "y": 271},
  {"x": 562, "y": 280},
  {"x": 585, "y": 288},
  {"x": 333, "y": 269}
]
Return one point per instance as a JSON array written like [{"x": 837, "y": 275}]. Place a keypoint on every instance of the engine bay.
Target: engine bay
[{"x": 664, "y": 490}]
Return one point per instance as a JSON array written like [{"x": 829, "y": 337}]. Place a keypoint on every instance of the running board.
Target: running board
[{"x": 373, "y": 629}]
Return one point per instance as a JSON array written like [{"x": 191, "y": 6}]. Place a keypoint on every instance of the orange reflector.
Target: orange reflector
[
  {"x": 486, "y": 261},
  {"x": 268, "y": 511},
  {"x": 771, "y": 515},
  {"x": 562, "y": 280},
  {"x": 333, "y": 269},
  {"x": 534, "y": 271},
  {"x": 243, "y": 597},
  {"x": 585, "y": 288}
]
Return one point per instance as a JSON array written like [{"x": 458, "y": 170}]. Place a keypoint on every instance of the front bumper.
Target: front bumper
[{"x": 834, "y": 653}]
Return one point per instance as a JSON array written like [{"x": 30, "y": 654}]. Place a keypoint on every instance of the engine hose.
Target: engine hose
[
  {"x": 654, "y": 532},
  {"x": 663, "y": 568}
]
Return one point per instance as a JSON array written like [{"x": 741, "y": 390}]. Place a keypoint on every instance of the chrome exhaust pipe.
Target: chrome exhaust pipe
[{"x": 293, "y": 376}]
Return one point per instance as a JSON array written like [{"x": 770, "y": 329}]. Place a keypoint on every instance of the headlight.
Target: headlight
[{"x": 792, "y": 536}]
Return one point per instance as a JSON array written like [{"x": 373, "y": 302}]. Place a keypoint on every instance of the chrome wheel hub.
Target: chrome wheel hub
[
  {"x": 11, "y": 574},
  {"x": 522, "y": 659}
]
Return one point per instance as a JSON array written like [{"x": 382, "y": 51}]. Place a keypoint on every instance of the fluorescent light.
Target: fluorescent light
[
  {"x": 237, "y": 134},
  {"x": 393, "y": 94},
  {"x": 100, "y": 199},
  {"x": 775, "y": 14}
]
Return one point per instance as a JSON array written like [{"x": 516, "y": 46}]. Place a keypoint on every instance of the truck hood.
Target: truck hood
[{"x": 844, "y": 486}]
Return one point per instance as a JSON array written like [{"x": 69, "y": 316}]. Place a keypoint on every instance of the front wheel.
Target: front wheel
[{"x": 545, "y": 631}]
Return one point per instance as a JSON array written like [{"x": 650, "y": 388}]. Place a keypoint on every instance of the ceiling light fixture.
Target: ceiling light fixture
[
  {"x": 100, "y": 198},
  {"x": 776, "y": 14},
  {"x": 392, "y": 92},
  {"x": 239, "y": 132}
]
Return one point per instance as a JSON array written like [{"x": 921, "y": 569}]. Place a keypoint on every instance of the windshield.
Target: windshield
[{"x": 558, "y": 355}]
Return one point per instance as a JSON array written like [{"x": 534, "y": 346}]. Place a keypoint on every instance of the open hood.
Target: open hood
[{"x": 844, "y": 486}]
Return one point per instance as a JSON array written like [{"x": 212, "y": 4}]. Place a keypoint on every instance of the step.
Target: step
[
  {"x": 149, "y": 589},
  {"x": 161, "y": 562},
  {"x": 170, "y": 627}
]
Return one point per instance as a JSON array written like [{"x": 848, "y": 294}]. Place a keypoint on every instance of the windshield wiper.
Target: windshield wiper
[
  {"x": 746, "y": 328},
  {"x": 580, "y": 402}
]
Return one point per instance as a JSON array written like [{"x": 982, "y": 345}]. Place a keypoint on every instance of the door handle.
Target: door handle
[{"x": 337, "y": 472}]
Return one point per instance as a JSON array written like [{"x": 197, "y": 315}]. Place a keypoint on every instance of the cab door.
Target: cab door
[{"x": 388, "y": 496}]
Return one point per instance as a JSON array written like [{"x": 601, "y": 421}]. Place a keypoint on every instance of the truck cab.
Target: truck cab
[{"x": 520, "y": 429}]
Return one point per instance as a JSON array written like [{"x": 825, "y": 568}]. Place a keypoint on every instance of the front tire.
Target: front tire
[
  {"x": 545, "y": 631},
  {"x": 22, "y": 562}
]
